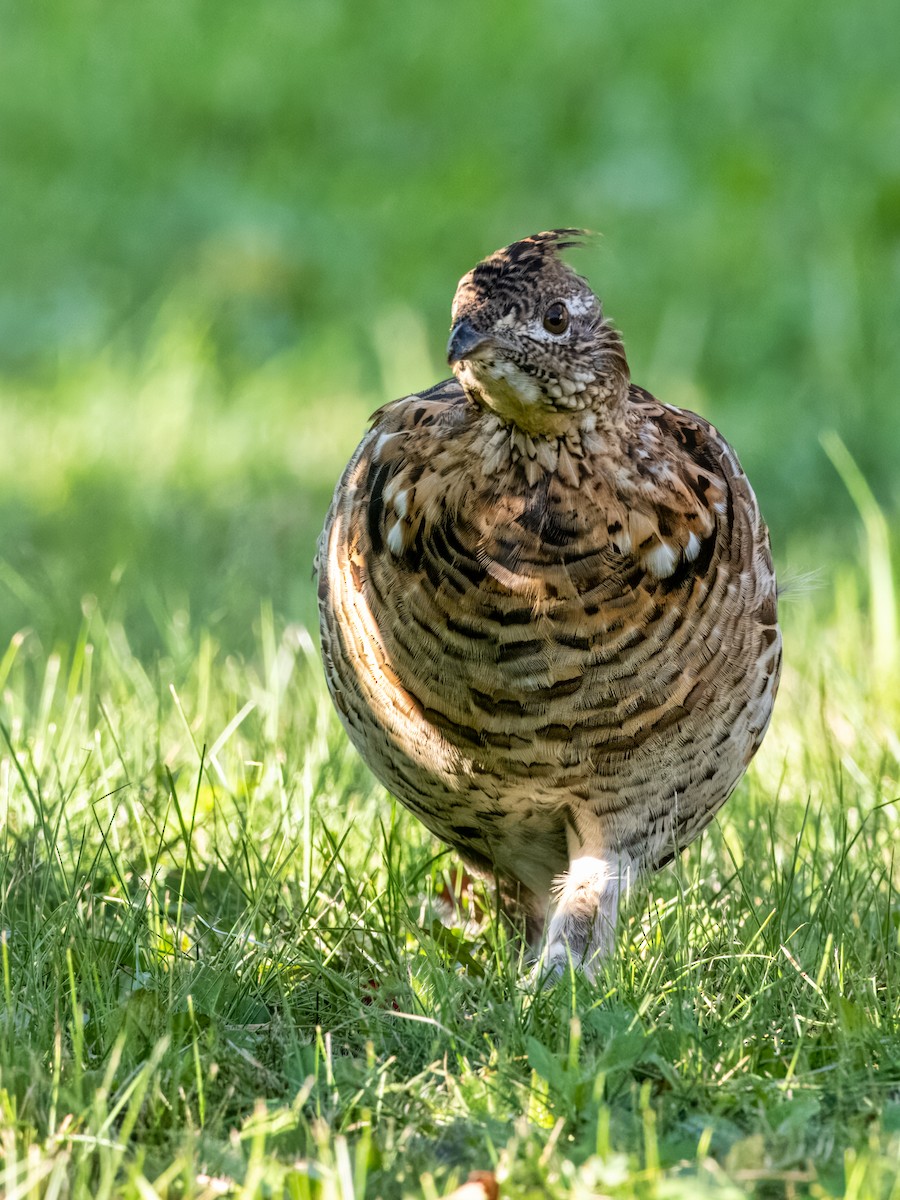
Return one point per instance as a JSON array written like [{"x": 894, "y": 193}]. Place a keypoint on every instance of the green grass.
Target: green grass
[{"x": 228, "y": 963}]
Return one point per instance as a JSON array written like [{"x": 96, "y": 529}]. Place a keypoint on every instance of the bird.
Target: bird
[{"x": 548, "y": 606}]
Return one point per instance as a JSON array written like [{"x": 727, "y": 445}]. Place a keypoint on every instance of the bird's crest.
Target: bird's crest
[{"x": 532, "y": 253}]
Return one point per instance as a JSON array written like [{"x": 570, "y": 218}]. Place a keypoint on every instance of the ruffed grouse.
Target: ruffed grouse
[{"x": 548, "y": 605}]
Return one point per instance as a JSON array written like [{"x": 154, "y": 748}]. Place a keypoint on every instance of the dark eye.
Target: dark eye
[{"x": 556, "y": 318}]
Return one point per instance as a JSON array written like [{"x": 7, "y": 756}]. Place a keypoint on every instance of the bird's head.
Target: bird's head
[{"x": 529, "y": 340}]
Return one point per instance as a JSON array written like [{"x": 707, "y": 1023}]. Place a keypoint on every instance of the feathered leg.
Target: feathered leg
[{"x": 586, "y": 903}]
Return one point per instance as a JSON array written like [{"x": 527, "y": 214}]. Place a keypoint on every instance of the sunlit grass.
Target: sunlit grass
[{"x": 228, "y": 964}]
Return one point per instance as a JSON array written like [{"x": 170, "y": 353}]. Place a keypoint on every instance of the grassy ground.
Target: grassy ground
[{"x": 228, "y": 964}]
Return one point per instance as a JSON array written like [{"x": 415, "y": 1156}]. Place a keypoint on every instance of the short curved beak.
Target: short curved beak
[{"x": 464, "y": 339}]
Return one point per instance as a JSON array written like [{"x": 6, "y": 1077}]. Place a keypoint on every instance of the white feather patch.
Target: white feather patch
[{"x": 661, "y": 560}]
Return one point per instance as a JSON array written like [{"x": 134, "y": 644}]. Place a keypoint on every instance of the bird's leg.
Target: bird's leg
[{"x": 583, "y": 925}]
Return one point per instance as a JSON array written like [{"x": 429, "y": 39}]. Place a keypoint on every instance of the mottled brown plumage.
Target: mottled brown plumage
[{"x": 548, "y": 605}]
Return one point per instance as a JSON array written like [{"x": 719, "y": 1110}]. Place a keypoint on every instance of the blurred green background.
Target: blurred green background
[{"x": 228, "y": 231}]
